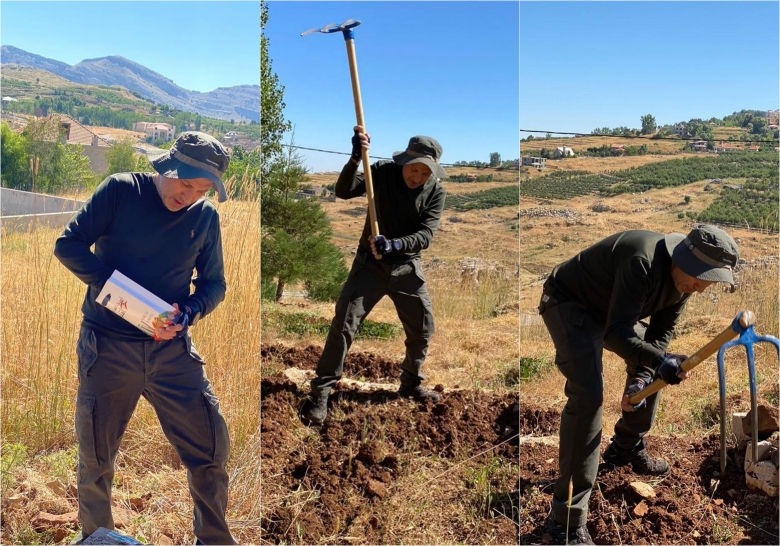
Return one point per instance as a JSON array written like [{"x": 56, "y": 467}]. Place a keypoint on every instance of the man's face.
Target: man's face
[
  {"x": 686, "y": 284},
  {"x": 177, "y": 194},
  {"x": 416, "y": 174}
]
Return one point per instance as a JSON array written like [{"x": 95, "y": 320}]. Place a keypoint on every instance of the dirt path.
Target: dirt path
[{"x": 693, "y": 504}]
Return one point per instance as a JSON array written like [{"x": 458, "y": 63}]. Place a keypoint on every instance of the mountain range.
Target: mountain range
[{"x": 240, "y": 102}]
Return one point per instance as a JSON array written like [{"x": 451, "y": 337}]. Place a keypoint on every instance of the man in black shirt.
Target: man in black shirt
[
  {"x": 155, "y": 229},
  {"x": 409, "y": 201},
  {"x": 596, "y": 301}
]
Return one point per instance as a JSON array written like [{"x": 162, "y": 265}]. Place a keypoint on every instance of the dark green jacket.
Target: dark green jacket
[
  {"x": 620, "y": 280},
  {"x": 411, "y": 216}
]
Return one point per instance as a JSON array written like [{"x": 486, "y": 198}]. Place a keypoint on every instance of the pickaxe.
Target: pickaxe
[
  {"x": 741, "y": 322},
  {"x": 349, "y": 37}
]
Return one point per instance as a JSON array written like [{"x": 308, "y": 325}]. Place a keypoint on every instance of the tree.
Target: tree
[
  {"x": 648, "y": 124},
  {"x": 495, "y": 159},
  {"x": 272, "y": 104},
  {"x": 13, "y": 159},
  {"x": 296, "y": 234},
  {"x": 121, "y": 157}
]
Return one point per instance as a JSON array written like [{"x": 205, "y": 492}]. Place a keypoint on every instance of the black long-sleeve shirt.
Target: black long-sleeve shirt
[
  {"x": 134, "y": 232},
  {"x": 409, "y": 215},
  {"x": 620, "y": 280}
]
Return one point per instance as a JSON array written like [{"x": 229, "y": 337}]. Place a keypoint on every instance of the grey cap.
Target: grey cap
[
  {"x": 425, "y": 150},
  {"x": 194, "y": 155},
  {"x": 707, "y": 253}
]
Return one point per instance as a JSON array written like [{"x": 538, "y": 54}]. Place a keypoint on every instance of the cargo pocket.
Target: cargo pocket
[
  {"x": 86, "y": 429},
  {"x": 217, "y": 427},
  {"x": 86, "y": 350},
  {"x": 191, "y": 349}
]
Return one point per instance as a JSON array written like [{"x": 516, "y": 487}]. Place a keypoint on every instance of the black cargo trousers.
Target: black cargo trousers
[
  {"x": 579, "y": 347},
  {"x": 113, "y": 375},
  {"x": 368, "y": 282}
]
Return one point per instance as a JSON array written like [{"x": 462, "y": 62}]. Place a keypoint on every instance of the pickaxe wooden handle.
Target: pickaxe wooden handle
[
  {"x": 346, "y": 28},
  {"x": 741, "y": 322},
  {"x": 353, "y": 72}
]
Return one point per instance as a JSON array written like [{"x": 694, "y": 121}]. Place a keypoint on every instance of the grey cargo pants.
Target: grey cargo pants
[
  {"x": 579, "y": 346},
  {"x": 113, "y": 375},
  {"x": 369, "y": 280}
]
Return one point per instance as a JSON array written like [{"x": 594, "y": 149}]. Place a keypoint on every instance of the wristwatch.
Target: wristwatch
[{"x": 395, "y": 245}]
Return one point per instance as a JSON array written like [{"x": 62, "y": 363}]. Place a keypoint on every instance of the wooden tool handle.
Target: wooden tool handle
[
  {"x": 353, "y": 72},
  {"x": 743, "y": 320}
]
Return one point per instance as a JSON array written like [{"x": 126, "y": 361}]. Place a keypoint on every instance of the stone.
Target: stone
[
  {"x": 763, "y": 452},
  {"x": 762, "y": 475},
  {"x": 641, "y": 509},
  {"x": 738, "y": 430},
  {"x": 56, "y": 487},
  {"x": 45, "y": 521},
  {"x": 60, "y": 534},
  {"x": 122, "y": 517},
  {"x": 642, "y": 489},
  {"x": 164, "y": 540},
  {"x": 717, "y": 502},
  {"x": 768, "y": 421},
  {"x": 137, "y": 503},
  {"x": 15, "y": 501}
]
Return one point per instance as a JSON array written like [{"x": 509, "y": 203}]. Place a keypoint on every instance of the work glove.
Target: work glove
[
  {"x": 357, "y": 147},
  {"x": 383, "y": 245},
  {"x": 636, "y": 385},
  {"x": 668, "y": 367},
  {"x": 185, "y": 317}
]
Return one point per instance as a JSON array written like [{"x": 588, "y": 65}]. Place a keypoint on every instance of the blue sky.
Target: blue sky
[
  {"x": 198, "y": 45},
  {"x": 585, "y": 65},
  {"x": 443, "y": 69}
]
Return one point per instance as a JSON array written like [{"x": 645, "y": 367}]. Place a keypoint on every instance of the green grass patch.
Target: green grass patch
[
  {"x": 303, "y": 324},
  {"x": 531, "y": 367}
]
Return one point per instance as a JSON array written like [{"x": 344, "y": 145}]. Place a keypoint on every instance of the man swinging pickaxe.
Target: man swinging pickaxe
[{"x": 400, "y": 224}]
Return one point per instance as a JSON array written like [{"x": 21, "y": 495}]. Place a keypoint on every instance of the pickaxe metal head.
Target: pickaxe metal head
[{"x": 345, "y": 27}]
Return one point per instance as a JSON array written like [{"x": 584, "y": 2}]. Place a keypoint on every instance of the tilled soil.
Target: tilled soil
[
  {"x": 341, "y": 479},
  {"x": 693, "y": 504},
  {"x": 361, "y": 366}
]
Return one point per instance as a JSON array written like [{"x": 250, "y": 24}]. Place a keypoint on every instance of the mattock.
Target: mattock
[
  {"x": 747, "y": 338},
  {"x": 349, "y": 37}
]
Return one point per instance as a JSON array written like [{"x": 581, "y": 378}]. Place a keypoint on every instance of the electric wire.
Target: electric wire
[
  {"x": 350, "y": 153},
  {"x": 644, "y": 137}
]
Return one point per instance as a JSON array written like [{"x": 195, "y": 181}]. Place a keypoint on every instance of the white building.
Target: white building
[
  {"x": 156, "y": 131},
  {"x": 563, "y": 151}
]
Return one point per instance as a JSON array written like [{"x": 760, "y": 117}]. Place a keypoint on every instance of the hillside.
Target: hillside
[{"x": 241, "y": 103}]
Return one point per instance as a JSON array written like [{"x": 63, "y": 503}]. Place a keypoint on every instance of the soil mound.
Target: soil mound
[
  {"x": 360, "y": 366},
  {"x": 339, "y": 478},
  {"x": 693, "y": 504}
]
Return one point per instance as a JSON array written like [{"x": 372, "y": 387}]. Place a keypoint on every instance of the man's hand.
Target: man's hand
[
  {"x": 669, "y": 368},
  {"x": 379, "y": 246},
  {"x": 359, "y": 142},
  {"x": 166, "y": 333},
  {"x": 636, "y": 385}
]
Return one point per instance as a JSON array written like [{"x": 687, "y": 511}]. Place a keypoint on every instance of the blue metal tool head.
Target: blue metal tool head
[{"x": 345, "y": 28}]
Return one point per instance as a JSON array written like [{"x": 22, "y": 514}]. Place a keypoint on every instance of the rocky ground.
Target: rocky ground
[{"x": 694, "y": 504}]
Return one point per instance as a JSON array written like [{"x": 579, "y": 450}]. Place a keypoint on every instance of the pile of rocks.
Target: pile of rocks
[
  {"x": 539, "y": 212},
  {"x": 761, "y": 473}
]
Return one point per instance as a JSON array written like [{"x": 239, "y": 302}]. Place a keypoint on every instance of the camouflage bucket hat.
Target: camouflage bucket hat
[
  {"x": 425, "y": 150},
  {"x": 707, "y": 253},
  {"x": 194, "y": 155}
]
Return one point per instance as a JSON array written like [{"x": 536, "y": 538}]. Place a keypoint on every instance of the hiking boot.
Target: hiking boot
[
  {"x": 640, "y": 460},
  {"x": 419, "y": 393},
  {"x": 315, "y": 409},
  {"x": 577, "y": 535}
]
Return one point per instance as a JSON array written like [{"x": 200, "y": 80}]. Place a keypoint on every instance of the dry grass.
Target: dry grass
[
  {"x": 583, "y": 143},
  {"x": 40, "y": 321},
  {"x": 476, "y": 323},
  {"x": 546, "y": 241}
]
